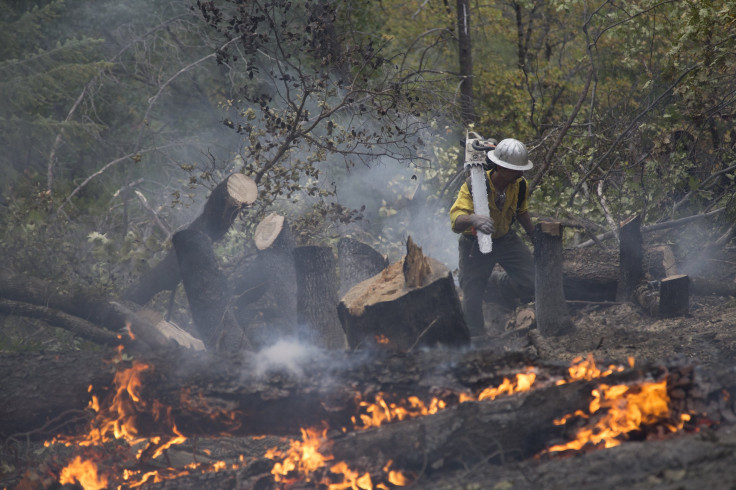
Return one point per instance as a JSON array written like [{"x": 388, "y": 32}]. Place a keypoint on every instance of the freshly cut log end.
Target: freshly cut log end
[
  {"x": 268, "y": 230},
  {"x": 151, "y": 327},
  {"x": 242, "y": 189}
]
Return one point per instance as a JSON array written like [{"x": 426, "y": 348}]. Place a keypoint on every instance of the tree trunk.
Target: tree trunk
[
  {"x": 410, "y": 304},
  {"x": 220, "y": 211},
  {"x": 316, "y": 280},
  {"x": 357, "y": 262},
  {"x": 465, "y": 56},
  {"x": 207, "y": 291},
  {"x": 631, "y": 258},
  {"x": 266, "y": 292},
  {"x": 551, "y": 311}
]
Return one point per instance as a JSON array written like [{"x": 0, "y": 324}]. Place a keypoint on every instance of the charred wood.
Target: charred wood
[
  {"x": 207, "y": 291},
  {"x": 630, "y": 259}
]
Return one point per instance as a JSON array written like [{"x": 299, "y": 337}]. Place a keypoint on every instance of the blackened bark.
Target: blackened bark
[
  {"x": 553, "y": 317},
  {"x": 207, "y": 291},
  {"x": 674, "y": 296},
  {"x": 316, "y": 280},
  {"x": 631, "y": 259}
]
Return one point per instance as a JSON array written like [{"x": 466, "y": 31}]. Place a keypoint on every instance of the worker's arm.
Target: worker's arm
[{"x": 526, "y": 222}]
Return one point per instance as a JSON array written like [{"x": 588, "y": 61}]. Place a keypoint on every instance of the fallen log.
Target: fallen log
[
  {"x": 412, "y": 303},
  {"x": 267, "y": 394},
  {"x": 222, "y": 207},
  {"x": 88, "y": 314}
]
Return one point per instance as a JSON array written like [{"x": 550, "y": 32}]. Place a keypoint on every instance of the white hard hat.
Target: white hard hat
[{"x": 511, "y": 154}]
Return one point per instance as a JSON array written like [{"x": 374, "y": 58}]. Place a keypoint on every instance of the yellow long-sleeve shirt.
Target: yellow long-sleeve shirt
[{"x": 502, "y": 218}]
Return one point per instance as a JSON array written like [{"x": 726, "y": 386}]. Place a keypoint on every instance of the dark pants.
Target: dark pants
[{"x": 517, "y": 282}]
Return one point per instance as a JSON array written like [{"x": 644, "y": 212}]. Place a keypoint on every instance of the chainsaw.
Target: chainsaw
[{"x": 476, "y": 149}]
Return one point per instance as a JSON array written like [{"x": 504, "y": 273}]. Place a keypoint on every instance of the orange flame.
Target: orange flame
[
  {"x": 83, "y": 472},
  {"x": 306, "y": 458},
  {"x": 585, "y": 369},
  {"x": 626, "y": 409}
]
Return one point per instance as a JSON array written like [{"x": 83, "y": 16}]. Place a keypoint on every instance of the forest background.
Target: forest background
[{"x": 118, "y": 118}]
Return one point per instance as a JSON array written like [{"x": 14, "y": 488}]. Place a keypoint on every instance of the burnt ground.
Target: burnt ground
[{"x": 706, "y": 336}]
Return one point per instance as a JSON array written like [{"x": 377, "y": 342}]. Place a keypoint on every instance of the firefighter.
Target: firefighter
[{"x": 507, "y": 201}]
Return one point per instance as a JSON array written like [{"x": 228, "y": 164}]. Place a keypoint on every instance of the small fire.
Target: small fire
[
  {"x": 625, "y": 409},
  {"x": 585, "y": 369},
  {"x": 380, "y": 411},
  {"x": 83, "y": 472},
  {"x": 307, "y": 459},
  {"x": 382, "y": 339}
]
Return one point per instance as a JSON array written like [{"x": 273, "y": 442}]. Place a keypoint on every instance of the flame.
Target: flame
[
  {"x": 83, "y": 472},
  {"x": 585, "y": 369},
  {"x": 307, "y": 459},
  {"x": 382, "y": 339},
  {"x": 522, "y": 382},
  {"x": 380, "y": 411},
  {"x": 626, "y": 408}
]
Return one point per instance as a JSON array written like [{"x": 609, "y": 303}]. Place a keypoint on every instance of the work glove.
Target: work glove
[{"x": 483, "y": 224}]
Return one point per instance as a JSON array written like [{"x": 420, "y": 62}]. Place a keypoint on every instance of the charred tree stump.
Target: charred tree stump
[
  {"x": 674, "y": 296},
  {"x": 316, "y": 281},
  {"x": 411, "y": 303},
  {"x": 220, "y": 211},
  {"x": 631, "y": 259},
  {"x": 357, "y": 262},
  {"x": 552, "y": 315},
  {"x": 266, "y": 292},
  {"x": 206, "y": 290}
]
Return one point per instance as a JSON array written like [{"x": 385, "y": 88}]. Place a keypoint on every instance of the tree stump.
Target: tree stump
[
  {"x": 357, "y": 262},
  {"x": 316, "y": 281},
  {"x": 674, "y": 296},
  {"x": 553, "y": 317},
  {"x": 411, "y": 303},
  {"x": 631, "y": 259},
  {"x": 207, "y": 291},
  {"x": 266, "y": 292},
  {"x": 220, "y": 211}
]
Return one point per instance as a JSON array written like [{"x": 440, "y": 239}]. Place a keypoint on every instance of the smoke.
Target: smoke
[{"x": 286, "y": 355}]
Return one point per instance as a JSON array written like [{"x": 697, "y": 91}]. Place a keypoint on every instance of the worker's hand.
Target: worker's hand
[{"x": 483, "y": 224}]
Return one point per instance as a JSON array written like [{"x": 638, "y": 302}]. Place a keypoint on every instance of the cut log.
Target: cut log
[
  {"x": 631, "y": 256},
  {"x": 266, "y": 291},
  {"x": 220, "y": 211},
  {"x": 316, "y": 280},
  {"x": 386, "y": 311},
  {"x": 207, "y": 292},
  {"x": 357, "y": 262},
  {"x": 553, "y": 317}
]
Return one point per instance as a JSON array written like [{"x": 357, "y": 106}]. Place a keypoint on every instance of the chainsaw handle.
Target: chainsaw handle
[{"x": 483, "y": 145}]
